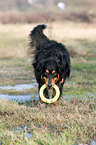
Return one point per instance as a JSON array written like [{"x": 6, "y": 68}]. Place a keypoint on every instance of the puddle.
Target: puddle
[
  {"x": 24, "y": 128},
  {"x": 19, "y": 98},
  {"x": 93, "y": 142},
  {"x": 87, "y": 95},
  {"x": 23, "y": 98},
  {"x": 29, "y": 134},
  {"x": 69, "y": 83},
  {"x": 19, "y": 87}
]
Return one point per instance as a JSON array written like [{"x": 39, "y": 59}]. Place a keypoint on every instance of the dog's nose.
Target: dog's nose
[{"x": 49, "y": 85}]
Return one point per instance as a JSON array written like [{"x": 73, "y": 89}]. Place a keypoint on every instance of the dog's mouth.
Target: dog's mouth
[
  {"x": 49, "y": 86},
  {"x": 50, "y": 83},
  {"x": 51, "y": 91},
  {"x": 50, "y": 79}
]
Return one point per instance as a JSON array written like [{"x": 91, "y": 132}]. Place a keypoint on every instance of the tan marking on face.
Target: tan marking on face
[
  {"x": 53, "y": 71},
  {"x": 53, "y": 81},
  {"x": 41, "y": 76},
  {"x": 47, "y": 80},
  {"x": 56, "y": 79},
  {"x": 47, "y": 71},
  {"x": 58, "y": 76}
]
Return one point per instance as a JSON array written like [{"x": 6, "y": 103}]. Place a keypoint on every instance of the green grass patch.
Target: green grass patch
[
  {"x": 66, "y": 124},
  {"x": 84, "y": 66}
]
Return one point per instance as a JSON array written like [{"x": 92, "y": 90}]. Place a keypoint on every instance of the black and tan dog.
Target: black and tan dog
[{"x": 51, "y": 61}]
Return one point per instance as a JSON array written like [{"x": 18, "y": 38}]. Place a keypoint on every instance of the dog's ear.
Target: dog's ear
[
  {"x": 61, "y": 69},
  {"x": 67, "y": 71},
  {"x": 39, "y": 68},
  {"x": 64, "y": 70}
]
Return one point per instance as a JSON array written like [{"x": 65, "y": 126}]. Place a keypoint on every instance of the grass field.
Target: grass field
[{"x": 73, "y": 122}]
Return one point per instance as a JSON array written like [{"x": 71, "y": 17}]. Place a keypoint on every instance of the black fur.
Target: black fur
[{"x": 49, "y": 55}]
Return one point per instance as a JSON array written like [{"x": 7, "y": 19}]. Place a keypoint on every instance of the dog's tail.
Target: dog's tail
[{"x": 37, "y": 35}]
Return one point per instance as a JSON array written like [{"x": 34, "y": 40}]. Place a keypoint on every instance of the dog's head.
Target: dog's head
[{"x": 50, "y": 73}]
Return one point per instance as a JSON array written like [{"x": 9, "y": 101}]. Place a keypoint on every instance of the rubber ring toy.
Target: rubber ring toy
[{"x": 44, "y": 99}]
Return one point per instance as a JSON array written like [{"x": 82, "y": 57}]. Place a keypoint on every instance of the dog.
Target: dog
[{"x": 51, "y": 60}]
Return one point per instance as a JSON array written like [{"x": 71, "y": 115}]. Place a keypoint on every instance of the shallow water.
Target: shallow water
[
  {"x": 93, "y": 142},
  {"x": 19, "y": 87},
  {"x": 19, "y": 98},
  {"x": 29, "y": 135},
  {"x": 23, "y": 98},
  {"x": 87, "y": 95},
  {"x": 23, "y": 128}
]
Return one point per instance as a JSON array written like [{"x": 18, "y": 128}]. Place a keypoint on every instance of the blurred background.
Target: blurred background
[{"x": 44, "y": 10}]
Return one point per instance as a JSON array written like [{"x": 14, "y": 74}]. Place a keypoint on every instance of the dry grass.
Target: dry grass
[
  {"x": 15, "y": 42},
  {"x": 49, "y": 15},
  {"x": 72, "y": 31},
  {"x": 72, "y": 121}
]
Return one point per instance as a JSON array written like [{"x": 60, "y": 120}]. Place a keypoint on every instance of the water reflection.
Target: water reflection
[
  {"x": 19, "y": 98},
  {"x": 93, "y": 142},
  {"x": 19, "y": 87}
]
